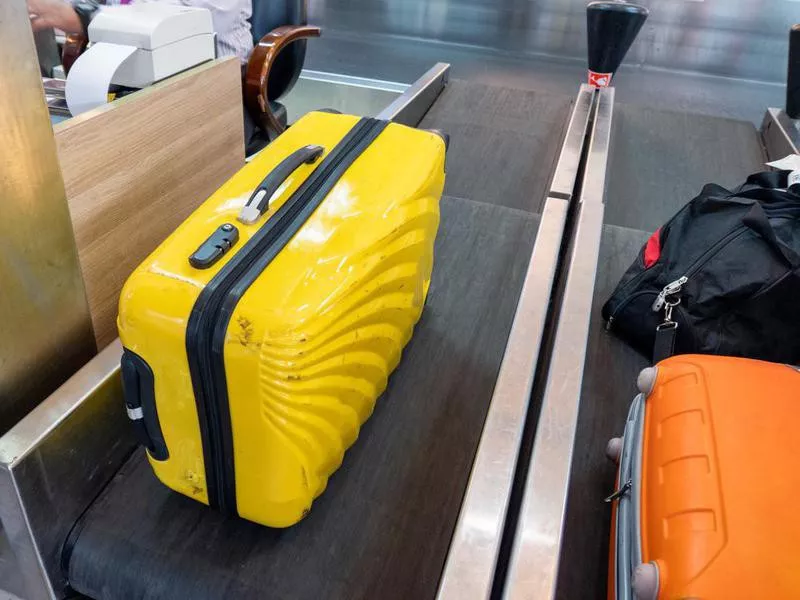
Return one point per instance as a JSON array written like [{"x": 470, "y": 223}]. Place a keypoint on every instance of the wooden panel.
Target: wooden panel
[{"x": 136, "y": 168}]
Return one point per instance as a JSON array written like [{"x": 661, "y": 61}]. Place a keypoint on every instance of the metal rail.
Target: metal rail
[
  {"x": 780, "y": 134},
  {"x": 471, "y": 562},
  {"x": 55, "y": 461},
  {"x": 533, "y": 568},
  {"x": 410, "y": 107},
  {"x": 353, "y": 81}
]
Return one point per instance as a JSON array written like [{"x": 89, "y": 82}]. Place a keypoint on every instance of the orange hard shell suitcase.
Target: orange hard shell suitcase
[{"x": 708, "y": 484}]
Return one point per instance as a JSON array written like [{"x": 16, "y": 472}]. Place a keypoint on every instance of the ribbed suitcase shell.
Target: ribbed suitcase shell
[
  {"x": 311, "y": 343},
  {"x": 718, "y": 480}
]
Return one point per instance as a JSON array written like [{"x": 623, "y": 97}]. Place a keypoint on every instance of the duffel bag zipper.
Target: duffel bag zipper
[
  {"x": 670, "y": 296},
  {"x": 211, "y": 313},
  {"x": 630, "y": 284},
  {"x": 674, "y": 288},
  {"x": 623, "y": 304},
  {"x": 671, "y": 289}
]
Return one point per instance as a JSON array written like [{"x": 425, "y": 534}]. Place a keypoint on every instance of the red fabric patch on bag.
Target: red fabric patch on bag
[{"x": 652, "y": 250}]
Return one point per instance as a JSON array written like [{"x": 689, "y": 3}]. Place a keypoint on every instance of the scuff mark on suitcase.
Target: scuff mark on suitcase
[
  {"x": 195, "y": 483},
  {"x": 245, "y": 330},
  {"x": 156, "y": 270},
  {"x": 304, "y": 479}
]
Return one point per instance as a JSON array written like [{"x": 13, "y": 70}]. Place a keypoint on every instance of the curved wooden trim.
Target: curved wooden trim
[
  {"x": 259, "y": 66},
  {"x": 74, "y": 46}
]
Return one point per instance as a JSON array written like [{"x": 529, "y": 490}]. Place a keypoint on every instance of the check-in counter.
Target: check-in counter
[
  {"x": 135, "y": 168},
  {"x": 83, "y": 203}
]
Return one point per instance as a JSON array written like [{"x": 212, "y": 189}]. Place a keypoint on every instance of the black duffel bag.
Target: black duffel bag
[{"x": 721, "y": 277}]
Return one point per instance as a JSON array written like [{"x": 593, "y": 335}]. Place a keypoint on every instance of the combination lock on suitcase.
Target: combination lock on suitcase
[
  {"x": 707, "y": 488},
  {"x": 259, "y": 335}
]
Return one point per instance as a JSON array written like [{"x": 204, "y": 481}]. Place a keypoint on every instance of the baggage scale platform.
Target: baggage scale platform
[
  {"x": 383, "y": 526},
  {"x": 481, "y": 473}
]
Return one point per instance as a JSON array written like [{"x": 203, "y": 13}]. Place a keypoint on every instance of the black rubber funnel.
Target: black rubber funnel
[{"x": 612, "y": 27}]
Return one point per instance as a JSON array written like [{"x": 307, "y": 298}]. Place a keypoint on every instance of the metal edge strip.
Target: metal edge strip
[
  {"x": 353, "y": 81},
  {"x": 469, "y": 571},
  {"x": 471, "y": 561},
  {"x": 594, "y": 179},
  {"x": 53, "y": 463},
  {"x": 776, "y": 134},
  {"x": 566, "y": 171},
  {"x": 410, "y": 107},
  {"x": 534, "y": 561}
]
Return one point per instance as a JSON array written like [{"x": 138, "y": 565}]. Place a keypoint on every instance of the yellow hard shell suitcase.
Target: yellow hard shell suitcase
[{"x": 259, "y": 335}]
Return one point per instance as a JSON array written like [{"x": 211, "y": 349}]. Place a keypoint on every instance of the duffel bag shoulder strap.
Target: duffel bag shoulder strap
[
  {"x": 770, "y": 187},
  {"x": 765, "y": 180},
  {"x": 756, "y": 219}
]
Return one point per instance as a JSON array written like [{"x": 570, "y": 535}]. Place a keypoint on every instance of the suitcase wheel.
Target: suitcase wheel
[
  {"x": 645, "y": 582},
  {"x": 646, "y": 380},
  {"x": 445, "y": 137},
  {"x": 614, "y": 449}
]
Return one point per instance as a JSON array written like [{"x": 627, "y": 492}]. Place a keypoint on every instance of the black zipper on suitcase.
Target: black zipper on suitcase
[{"x": 208, "y": 321}]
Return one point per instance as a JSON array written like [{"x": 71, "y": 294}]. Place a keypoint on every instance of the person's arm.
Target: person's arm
[{"x": 58, "y": 14}]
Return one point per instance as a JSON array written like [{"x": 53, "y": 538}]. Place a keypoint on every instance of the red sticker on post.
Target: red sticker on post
[{"x": 599, "y": 80}]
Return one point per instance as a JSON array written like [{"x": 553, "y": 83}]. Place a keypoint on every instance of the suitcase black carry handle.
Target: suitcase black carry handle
[
  {"x": 138, "y": 386},
  {"x": 259, "y": 199}
]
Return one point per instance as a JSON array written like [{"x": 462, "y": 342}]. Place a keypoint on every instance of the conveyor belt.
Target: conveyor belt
[
  {"x": 660, "y": 160},
  {"x": 383, "y": 526},
  {"x": 504, "y": 142}
]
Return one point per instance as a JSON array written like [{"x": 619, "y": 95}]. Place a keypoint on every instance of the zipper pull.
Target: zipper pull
[
  {"x": 669, "y": 290},
  {"x": 620, "y": 492}
]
